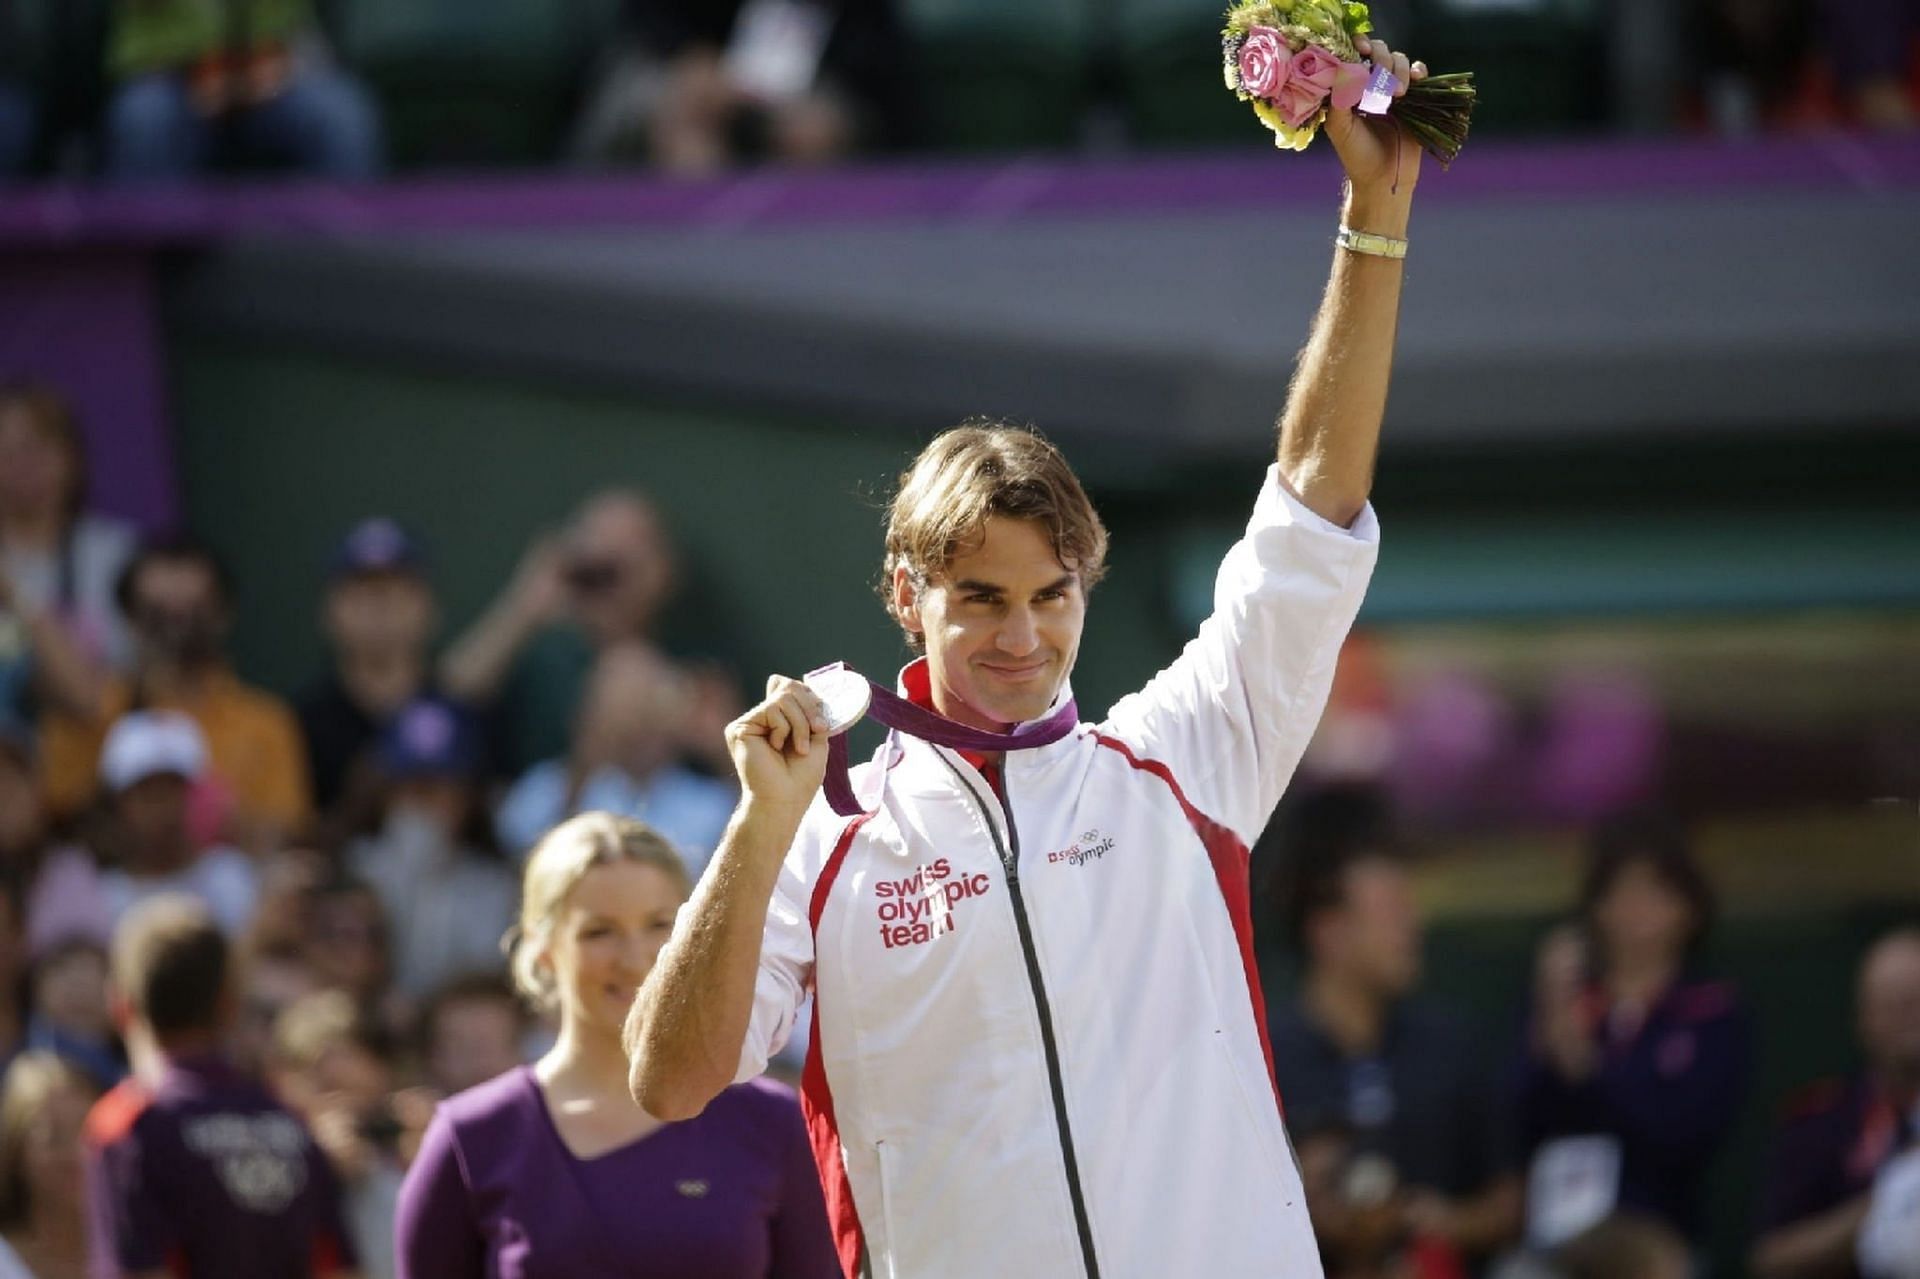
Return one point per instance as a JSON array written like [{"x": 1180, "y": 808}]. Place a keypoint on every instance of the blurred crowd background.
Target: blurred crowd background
[
  {"x": 355, "y": 530},
  {"x": 158, "y": 90}
]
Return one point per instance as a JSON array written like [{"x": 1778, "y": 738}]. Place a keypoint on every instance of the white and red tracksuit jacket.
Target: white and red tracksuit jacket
[{"x": 1039, "y": 1047}]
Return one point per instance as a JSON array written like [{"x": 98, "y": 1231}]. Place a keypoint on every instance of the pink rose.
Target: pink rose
[
  {"x": 1310, "y": 79},
  {"x": 1263, "y": 63}
]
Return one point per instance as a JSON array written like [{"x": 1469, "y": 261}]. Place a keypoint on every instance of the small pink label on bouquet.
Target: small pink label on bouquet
[{"x": 1379, "y": 94}]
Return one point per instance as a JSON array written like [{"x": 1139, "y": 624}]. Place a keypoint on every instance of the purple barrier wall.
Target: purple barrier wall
[
  {"x": 77, "y": 304},
  {"x": 83, "y": 320}
]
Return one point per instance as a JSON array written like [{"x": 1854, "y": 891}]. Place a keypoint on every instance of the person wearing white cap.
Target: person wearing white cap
[{"x": 148, "y": 767}]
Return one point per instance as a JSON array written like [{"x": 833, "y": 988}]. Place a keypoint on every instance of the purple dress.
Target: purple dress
[{"x": 730, "y": 1195}]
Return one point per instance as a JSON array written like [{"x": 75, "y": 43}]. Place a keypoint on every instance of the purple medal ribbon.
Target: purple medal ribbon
[{"x": 898, "y": 713}]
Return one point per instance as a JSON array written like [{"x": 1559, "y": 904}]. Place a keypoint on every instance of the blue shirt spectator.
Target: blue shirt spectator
[
  {"x": 456, "y": 898},
  {"x": 622, "y": 761}
]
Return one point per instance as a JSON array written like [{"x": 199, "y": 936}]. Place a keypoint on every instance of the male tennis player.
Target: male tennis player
[{"x": 1039, "y": 1047}]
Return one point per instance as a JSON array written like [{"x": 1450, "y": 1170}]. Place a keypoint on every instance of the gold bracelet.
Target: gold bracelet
[{"x": 1373, "y": 246}]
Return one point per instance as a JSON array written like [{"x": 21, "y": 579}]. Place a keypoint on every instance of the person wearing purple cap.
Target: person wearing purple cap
[
  {"x": 429, "y": 860},
  {"x": 380, "y": 616},
  {"x": 1038, "y": 1034},
  {"x": 551, "y": 1170}
]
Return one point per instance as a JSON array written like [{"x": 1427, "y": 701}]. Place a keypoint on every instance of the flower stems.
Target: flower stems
[{"x": 1437, "y": 112}]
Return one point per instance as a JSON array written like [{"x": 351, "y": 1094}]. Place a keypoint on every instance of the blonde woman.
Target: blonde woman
[
  {"x": 43, "y": 1225},
  {"x": 551, "y": 1170}
]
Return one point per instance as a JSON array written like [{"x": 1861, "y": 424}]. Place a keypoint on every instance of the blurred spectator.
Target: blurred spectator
[
  {"x": 149, "y": 766},
  {"x": 282, "y": 921},
  {"x": 457, "y": 900},
  {"x": 601, "y": 583},
  {"x": 1356, "y": 1054},
  {"x": 334, "y": 1068},
  {"x": 178, "y": 598},
  {"x": 520, "y": 1172},
  {"x": 1889, "y": 1246},
  {"x": 471, "y": 1030},
  {"x": 196, "y": 1170},
  {"x": 43, "y": 1193},
  {"x": 350, "y": 948},
  {"x": 379, "y": 618},
  {"x": 272, "y": 981},
  {"x": 624, "y": 761},
  {"x": 61, "y": 885},
  {"x": 1839, "y": 1134},
  {"x": 59, "y": 627},
  {"x": 697, "y": 86},
  {"x": 215, "y": 84},
  {"x": 1637, "y": 1063},
  {"x": 71, "y": 1015}
]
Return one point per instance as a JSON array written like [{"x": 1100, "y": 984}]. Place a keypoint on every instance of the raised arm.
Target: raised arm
[
  {"x": 477, "y": 663},
  {"x": 687, "y": 1027},
  {"x": 1330, "y": 431}
]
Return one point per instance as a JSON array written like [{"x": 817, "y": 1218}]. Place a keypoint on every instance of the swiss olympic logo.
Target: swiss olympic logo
[{"x": 1091, "y": 846}]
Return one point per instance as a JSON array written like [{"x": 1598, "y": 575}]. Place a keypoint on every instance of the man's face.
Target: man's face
[
  {"x": 1001, "y": 623},
  {"x": 71, "y": 990},
  {"x": 635, "y": 708},
  {"x": 349, "y": 942},
  {"x": 1890, "y": 1004},
  {"x": 153, "y": 815},
  {"x": 380, "y": 613},
  {"x": 1374, "y": 934},
  {"x": 177, "y": 610},
  {"x": 618, "y": 569}
]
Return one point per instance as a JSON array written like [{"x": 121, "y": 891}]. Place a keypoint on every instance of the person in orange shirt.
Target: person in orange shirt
[{"x": 177, "y": 600}]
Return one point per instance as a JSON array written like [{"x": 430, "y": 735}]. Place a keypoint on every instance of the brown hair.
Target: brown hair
[
  {"x": 53, "y": 417},
  {"x": 170, "y": 962},
  {"x": 557, "y": 865},
  {"x": 972, "y": 473},
  {"x": 31, "y": 1080},
  {"x": 1660, "y": 843},
  {"x": 470, "y": 988}
]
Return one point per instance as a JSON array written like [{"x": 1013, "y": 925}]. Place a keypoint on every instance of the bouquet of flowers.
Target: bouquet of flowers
[{"x": 1291, "y": 58}]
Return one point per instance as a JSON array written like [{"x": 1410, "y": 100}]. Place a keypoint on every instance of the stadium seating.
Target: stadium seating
[
  {"x": 1167, "y": 62},
  {"x": 1539, "y": 64},
  {"x": 65, "y": 55},
  {"x": 473, "y": 83},
  {"x": 1000, "y": 74}
]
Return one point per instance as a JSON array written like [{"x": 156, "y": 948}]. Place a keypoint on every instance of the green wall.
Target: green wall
[{"x": 281, "y": 450}]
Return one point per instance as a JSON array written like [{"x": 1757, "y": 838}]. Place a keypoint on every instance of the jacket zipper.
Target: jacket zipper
[{"x": 1010, "y": 863}]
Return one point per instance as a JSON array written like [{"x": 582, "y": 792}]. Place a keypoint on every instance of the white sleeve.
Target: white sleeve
[
  {"x": 1232, "y": 715},
  {"x": 786, "y": 945}
]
